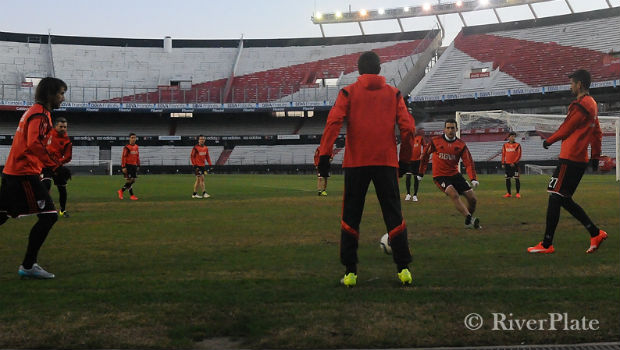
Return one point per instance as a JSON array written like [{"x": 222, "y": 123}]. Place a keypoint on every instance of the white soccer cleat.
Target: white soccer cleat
[
  {"x": 474, "y": 224},
  {"x": 408, "y": 197},
  {"x": 196, "y": 196},
  {"x": 414, "y": 198},
  {"x": 35, "y": 272},
  {"x": 205, "y": 195}
]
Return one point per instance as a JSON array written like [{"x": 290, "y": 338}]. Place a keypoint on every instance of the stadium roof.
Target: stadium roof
[{"x": 425, "y": 10}]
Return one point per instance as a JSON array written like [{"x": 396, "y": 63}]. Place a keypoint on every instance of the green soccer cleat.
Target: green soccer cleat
[
  {"x": 349, "y": 280},
  {"x": 405, "y": 276},
  {"x": 323, "y": 193}
]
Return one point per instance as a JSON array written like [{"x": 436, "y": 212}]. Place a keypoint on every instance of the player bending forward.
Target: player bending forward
[{"x": 447, "y": 150}]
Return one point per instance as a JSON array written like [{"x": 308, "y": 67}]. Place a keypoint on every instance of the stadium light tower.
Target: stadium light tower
[{"x": 427, "y": 9}]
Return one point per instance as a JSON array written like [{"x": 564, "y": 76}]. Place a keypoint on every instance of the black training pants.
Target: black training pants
[{"x": 356, "y": 182}]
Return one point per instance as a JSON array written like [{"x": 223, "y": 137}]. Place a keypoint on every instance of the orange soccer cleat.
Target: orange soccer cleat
[
  {"x": 120, "y": 194},
  {"x": 507, "y": 195},
  {"x": 539, "y": 248},
  {"x": 595, "y": 242},
  {"x": 133, "y": 198},
  {"x": 518, "y": 195}
]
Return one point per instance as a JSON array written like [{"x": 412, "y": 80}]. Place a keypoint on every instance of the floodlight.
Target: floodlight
[
  {"x": 484, "y": 2},
  {"x": 338, "y": 14},
  {"x": 406, "y": 9},
  {"x": 381, "y": 11},
  {"x": 459, "y": 3},
  {"x": 426, "y": 7},
  {"x": 363, "y": 12},
  {"x": 318, "y": 15}
]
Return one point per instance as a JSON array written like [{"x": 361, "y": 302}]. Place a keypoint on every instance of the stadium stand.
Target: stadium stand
[
  {"x": 238, "y": 125},
  {"x": 527, "y": 54},
  {"x": 500, "y": 57},
  {"x": 279, "y": 154},
  {"x": 141, "y": 71}
]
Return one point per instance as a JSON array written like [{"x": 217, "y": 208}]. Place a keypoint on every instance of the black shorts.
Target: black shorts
[
  {"x": 132, "y": 171},
  {"x": 24, "y": 195},
  {"x": 457, "y": 181},
  {"x": 413, "y": 167},
  {"x": 60, "y": 176},
  {"x": 199, "y": 170},
  {"x": 566, "y": 177},
  {"x": 511, "y": 171}
]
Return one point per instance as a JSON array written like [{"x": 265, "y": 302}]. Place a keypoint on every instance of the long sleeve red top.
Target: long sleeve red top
[{"x": 372, "y": 109}]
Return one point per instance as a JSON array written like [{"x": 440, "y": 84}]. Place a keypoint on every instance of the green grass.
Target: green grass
[{"x": 256, "y": 266}]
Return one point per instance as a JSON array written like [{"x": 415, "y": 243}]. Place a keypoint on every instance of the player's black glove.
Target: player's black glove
[
  {"x": 403, "y": 167},
  {"x": 324, "y": 166},
  {"x": 594, "y": 164},
  {"x": 546, "y": 144},
  {"x": 63, "y": 172}
]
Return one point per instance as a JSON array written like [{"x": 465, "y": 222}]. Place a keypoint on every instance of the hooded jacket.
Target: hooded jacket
[{"x": 372, "y": 110}]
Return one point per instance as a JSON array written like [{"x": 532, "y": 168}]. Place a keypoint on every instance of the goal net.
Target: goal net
[
  {"x": 93, "y": 167},
  {"x": 531, "y": 129}
]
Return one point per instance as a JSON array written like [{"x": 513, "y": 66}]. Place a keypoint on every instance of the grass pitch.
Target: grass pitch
[{"x": 256, "y": 266}]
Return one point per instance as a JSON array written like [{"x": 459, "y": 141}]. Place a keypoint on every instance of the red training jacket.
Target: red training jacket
[
  {"x": 580, "y": 129},
  {"x": 131, "y": 155},
  {"x": 200, "y": 155},
  {"x": 511, "y": 153},
  {"x": 28, "y": 154},
  {"x": 60, "y": 146},
  {"x": 446, "y": 155},
  {"x": 418, "y": 147},
  {"x": 372, "y": 109}
]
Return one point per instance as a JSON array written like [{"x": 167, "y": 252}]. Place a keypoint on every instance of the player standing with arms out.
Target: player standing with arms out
[
  {"x": 414, "y": 167},
  {"x": 130, "y": 162},
  {"x": 60, "y": 147},
  {"x": 22, "y": 192},
  {"x": 579, "y": 130},
  {"x": 511, "y": 155},
  {"x": 447, "y": 150},
  {"x": 199, "y": 157},
  {"x": 372, "y": 109},
  {"x": 321, "y": 182}
]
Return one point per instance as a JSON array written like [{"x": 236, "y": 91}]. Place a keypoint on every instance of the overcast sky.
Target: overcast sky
[{"x": 208, "y": 19}]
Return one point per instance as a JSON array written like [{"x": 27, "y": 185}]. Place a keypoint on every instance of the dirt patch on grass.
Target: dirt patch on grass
[{"x": 218, "y": 343}]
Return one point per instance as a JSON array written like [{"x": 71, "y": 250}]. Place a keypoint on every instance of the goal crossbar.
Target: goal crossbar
[{"x": 540, "y": 122}]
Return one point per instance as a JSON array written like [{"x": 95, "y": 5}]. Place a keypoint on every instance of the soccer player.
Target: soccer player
[
  {"x": 372, "y": 109},
  {"x": 511, "y": 154},
  {"x": 60, "y": 146},
  {"x": 447, "y": 150},
  {"x": 579, "y": 130},
  {"x": 199, "y": 157},
  {"x": 130, "y": 163},
  {"x": 414, "y": 166},
  {"x": 22, "y": 192},
  {"x": 321, "y": 182}
]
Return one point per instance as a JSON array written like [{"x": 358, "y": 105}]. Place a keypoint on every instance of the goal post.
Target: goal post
[{"x": 527, "y": 123}]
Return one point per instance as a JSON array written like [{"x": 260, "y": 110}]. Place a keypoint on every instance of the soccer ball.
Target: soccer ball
[{"x": 384, "y": 244}]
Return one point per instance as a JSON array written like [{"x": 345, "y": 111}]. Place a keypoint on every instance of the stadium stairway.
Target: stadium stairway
[{"x": 224, "y": 157}]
